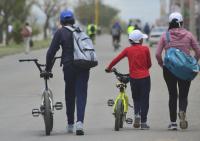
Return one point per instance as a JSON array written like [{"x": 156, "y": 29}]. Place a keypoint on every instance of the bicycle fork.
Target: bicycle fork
[
  {"x": 58, "y": 105},
  {"x": 124, "y": 98}
]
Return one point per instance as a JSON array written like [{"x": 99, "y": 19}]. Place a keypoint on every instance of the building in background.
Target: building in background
[{"x": 190, "y": 9}]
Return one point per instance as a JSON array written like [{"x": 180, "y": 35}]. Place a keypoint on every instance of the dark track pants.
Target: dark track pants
[
  {"x": 140, "y": 93},
  {"x": 183, "y": 89},
  {"x": 76, "y": 84}
]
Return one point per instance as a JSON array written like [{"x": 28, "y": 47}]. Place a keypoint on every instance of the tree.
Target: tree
[
  {"x": 50, "y": 9},
  {"x": 13, "y": 11},
  {"x": 85, "y": 12}
]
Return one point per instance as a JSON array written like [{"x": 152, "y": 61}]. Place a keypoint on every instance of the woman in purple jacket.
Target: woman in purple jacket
[{"x": 182, "y": 39}]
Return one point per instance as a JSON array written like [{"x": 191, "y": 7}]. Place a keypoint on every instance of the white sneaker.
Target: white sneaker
[
  {"x": 172, "y": 126},
  {"x": 70, "y": 128},
  {"x": 79, "y": 128}
]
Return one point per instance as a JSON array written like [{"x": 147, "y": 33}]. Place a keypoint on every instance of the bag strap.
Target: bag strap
[
  {"x": 74, "y": 28},
  {"x": 70, "y": 28},
  {"x": 168, "y": 36}
]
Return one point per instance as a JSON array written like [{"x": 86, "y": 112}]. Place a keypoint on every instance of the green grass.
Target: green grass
[{"x": 13, "y": 48}]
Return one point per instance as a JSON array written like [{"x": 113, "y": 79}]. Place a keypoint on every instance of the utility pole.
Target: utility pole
[
  {"x": 182, "y": 3},
  {"x": 192, "y": 25},
  {"x": 97, "y": 12}
]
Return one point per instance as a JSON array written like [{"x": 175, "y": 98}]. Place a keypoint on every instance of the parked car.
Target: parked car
[{"x": 155, "y": 35}]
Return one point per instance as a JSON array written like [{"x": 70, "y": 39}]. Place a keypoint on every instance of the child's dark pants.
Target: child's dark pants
[{"x": 140, "y": 93}]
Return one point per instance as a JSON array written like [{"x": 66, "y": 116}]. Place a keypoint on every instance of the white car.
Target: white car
[{"x": 155, "y": 35}]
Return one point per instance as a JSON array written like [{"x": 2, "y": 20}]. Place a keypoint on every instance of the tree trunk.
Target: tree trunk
[
  {"x": 6, "y": 31},
  {"x": 1, "y": 33},
  {"x": 46, "y": 26}
]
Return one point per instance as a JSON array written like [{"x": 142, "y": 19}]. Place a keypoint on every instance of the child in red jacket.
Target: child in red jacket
[{"x": 139, "y": 63}]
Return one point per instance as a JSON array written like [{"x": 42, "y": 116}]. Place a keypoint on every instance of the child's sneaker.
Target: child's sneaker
[
  {"x": 172, "y": 126},
  {"x": 136, "y": 123},
  {"x": 79, "y": 128},
  {"x": 183, "y": 122},
  {"x": 144, "y": 126},
  {"x": 70, "y": 128}
]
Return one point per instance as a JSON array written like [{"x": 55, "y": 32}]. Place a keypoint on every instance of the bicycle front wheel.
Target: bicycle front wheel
[
  {"x": 48, "y": 115},
  {"x": 119, "y": 115}
]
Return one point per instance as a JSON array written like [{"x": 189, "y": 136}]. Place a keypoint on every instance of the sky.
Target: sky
[{"x": 146, "y": 10}]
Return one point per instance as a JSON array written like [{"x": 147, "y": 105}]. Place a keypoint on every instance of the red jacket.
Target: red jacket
[{"x": 138, "y": 58}]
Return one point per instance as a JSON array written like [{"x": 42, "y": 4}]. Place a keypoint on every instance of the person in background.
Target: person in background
[
  {"x": 130, "y": 27},
  {"x": 26, "y": 33},
  {"x": 184, "y": 40},
  {"x": 116, "y": 33},
  {"x": 146, "y": 30},
  {"x": 10, "y": 32},
  {"x": 139, "y": 64},
  {"x": 76, "y": 79},
  {"x": 92, "y": 31}
]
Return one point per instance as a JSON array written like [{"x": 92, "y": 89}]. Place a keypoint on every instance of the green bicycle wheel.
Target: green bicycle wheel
[
  {"x": 118, "y": 115},
  {"x": 48, "y": 116}
]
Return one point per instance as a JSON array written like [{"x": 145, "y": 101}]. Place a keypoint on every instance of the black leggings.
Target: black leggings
[{"x": 182, "y": 91}]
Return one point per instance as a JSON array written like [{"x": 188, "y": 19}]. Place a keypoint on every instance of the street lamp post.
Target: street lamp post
[{"x": 97, "y": 12}]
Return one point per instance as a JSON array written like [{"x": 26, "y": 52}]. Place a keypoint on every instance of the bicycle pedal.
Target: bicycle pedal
[
  {"x": 110, "y": 102},
  {"x": 129, "y": 120},
  {"x": 36, "y": 112},
  {"x": 42, "y": 109},
  {"x": 58, "y": 106}
]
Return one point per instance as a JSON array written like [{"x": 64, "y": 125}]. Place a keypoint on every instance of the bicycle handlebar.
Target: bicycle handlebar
[
  {"x": 24, "y": 60},
  {"x": 39, "y": 66},
  {"x": 124, "y": 78},
  {"x": 118, "y": 73}
]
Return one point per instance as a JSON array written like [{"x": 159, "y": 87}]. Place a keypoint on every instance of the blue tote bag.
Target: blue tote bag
[{"x": 180, "y": 64}]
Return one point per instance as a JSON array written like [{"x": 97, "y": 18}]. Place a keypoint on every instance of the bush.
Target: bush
[
  {"x": 35, "y": 30},
  {"x": 17, "y": 26}
]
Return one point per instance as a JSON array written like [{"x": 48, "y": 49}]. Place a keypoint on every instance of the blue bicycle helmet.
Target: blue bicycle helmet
[{"x": 66, "y": 15}]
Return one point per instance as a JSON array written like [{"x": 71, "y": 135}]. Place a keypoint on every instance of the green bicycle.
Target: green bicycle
[{"x": 121, "y": 104}]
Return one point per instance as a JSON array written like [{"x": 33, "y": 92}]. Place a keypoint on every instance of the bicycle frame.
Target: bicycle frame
[
  {"x": 50, "y": 95},
  {"x": 122, "y": 95},
  {"x": 49, "y": 92},
  {"x": 47, "y": 106},
  {"x": 121, "y": 102}
]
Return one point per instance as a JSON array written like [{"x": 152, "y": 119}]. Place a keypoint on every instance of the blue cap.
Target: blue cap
[{"x": 66, "y": 14}]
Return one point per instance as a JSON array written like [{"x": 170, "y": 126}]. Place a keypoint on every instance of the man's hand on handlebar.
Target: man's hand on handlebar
[{"x": 46, "y": 74}]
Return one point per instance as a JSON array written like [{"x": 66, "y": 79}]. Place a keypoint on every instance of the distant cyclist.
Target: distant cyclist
[
  {"x": 130, "y": 27},
  {"x": 91, "y": 31},
  {"x": 116, "y": 34},
  {"x": 147, "y": 29}
]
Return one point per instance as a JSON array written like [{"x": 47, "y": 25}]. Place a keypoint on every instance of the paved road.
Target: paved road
[{"x": 21, "y": 89}]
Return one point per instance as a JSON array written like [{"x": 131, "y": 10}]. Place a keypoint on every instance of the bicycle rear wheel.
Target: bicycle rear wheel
[
  {"x": 48, "y": 115},
  {"x": 119, "y": 115}
]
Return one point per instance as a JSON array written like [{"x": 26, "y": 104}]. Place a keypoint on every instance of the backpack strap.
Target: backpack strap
[
  {"x": 73, "y": 28},
  {"x": 70, "y": 28},
  {"x": 168, "y": 36}
]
